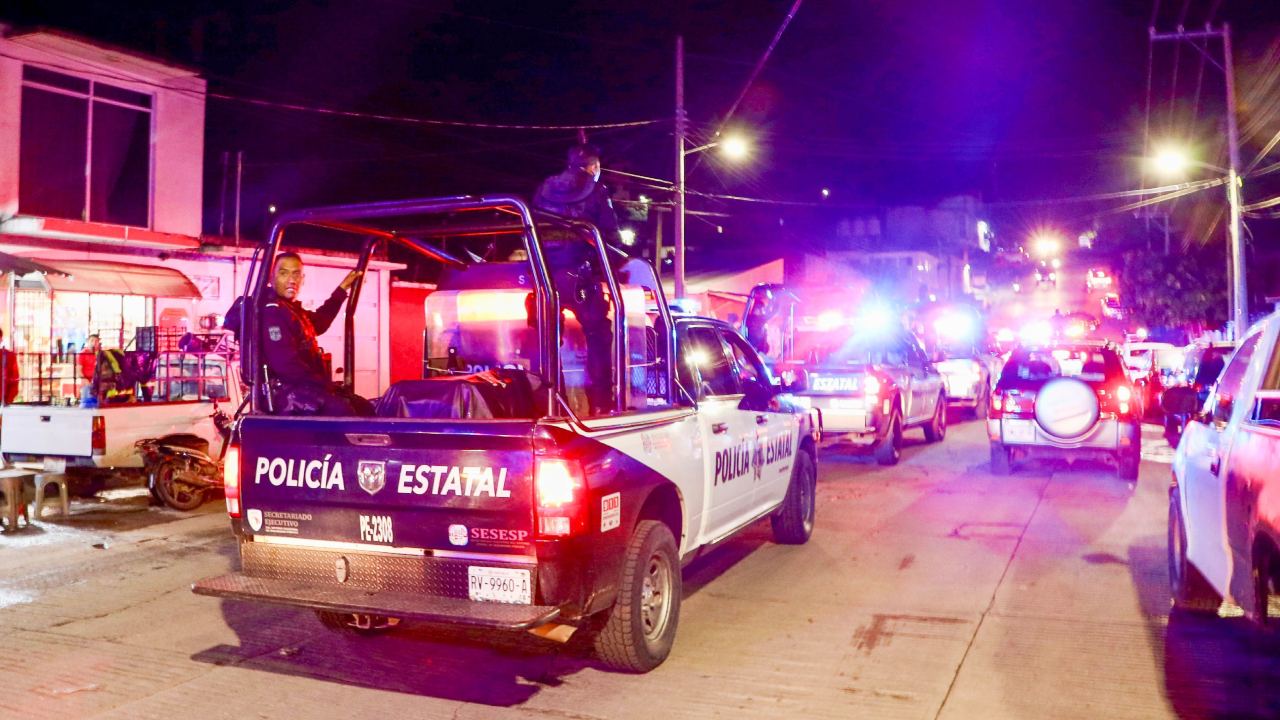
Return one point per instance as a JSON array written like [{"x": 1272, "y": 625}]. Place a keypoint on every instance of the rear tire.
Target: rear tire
[
  {"x": 936, "y": 430},
  {"x": 984, "y": 404},
  {"x": 889, "y": 450},
  {"x": 1264, "y": 587},
  {"x": 1000, "y": 460},
  {"x": 641, "y": 626},
  {"x": 347, "y": 624},
  {"x": 1188, "y": 589},
  {"x": 1128, "y": 462},
  {"x": 793, "y": 522},
  {"x": 171, "y": 490}
]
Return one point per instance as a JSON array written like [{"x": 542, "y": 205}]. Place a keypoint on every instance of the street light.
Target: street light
[
  {"x": 1174, "y": 161},
  {"x": 734, "y": 147},
  {"x": 1046, "y": 245}
]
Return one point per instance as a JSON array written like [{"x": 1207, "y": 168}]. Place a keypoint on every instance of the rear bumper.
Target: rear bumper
[
  {"x": 342, "y": 598},
  {"x": 1108, "y": 435},
  {"x": 411, "y": 586}
]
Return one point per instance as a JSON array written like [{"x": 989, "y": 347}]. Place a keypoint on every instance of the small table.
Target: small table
[{"x": 11, "y": 482}]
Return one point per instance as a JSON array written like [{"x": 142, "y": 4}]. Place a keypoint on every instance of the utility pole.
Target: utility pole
[
  {"x": 680, "y": 133},
  {"x": 1235, "y": 253}
]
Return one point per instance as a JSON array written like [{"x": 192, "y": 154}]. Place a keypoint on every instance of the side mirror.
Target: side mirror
[
  {"x": 756, "y": 395},
  {"x": 1179, "y": 401},
  {"x": 795, "y": 381}
]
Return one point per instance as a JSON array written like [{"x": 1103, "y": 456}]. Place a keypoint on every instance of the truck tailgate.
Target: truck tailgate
[
  {"x": 439, "y": 486},
  {"x": 45, "y": 430}
]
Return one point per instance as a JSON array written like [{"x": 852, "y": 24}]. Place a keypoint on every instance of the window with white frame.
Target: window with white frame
[{"x": 85, "y": 149}]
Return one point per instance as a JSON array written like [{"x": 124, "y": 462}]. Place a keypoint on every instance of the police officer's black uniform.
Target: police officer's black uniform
[
  {"x": 576, "y": 193},
  {"x": 295, "y": 363}
]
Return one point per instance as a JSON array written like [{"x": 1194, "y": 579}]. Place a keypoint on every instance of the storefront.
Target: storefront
[{"x": 55, "y": 312}]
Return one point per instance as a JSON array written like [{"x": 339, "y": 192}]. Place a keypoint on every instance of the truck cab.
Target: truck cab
[{"x": 496, "y": 492}]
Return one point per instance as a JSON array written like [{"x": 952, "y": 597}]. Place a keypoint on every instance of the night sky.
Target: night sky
[{"x": 882, "y": 102}]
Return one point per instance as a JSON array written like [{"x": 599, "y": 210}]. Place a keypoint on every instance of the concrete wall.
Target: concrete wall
[{"x": 177, "y": 121}]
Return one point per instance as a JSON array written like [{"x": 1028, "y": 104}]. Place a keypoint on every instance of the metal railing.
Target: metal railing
[{"x": 116, "y": 376}]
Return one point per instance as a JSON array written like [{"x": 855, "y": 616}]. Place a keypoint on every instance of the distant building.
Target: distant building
[
  {"x": 913, "y": 249},
  {"x": 101, "y": 172}
]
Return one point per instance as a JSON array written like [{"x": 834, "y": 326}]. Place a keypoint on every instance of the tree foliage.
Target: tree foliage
[{"x": 1178, "y": 290}]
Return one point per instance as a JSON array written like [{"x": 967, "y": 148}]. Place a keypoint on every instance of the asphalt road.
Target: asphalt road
[{"x": 929, "y": 590}]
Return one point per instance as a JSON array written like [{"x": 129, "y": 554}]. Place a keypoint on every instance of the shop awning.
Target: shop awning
[
  {"x": 23, "y": 266},
  {"x": 119, "y": 278}
]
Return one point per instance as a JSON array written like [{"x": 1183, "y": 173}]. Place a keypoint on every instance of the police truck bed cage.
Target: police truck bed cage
[{"x": 460, "y": 233}]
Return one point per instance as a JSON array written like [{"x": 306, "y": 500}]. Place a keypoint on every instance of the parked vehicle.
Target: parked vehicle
[
  {"x": 1224, "y": 502},
  {"x": 178, "y": 394},
  {"x": 181, "y": 470},
  {"x": 1097, "y": 279},
  {"x": 490, "y": 494},
  {"x": 1066, "y": 400},
  {"x": 1202, "y": 364},
  {"x": 868, "y": 378},
  {"x": 1151, "y": 366},
  {"x": 1111, "y": 307},
  {"x": 956, "y": 340}
]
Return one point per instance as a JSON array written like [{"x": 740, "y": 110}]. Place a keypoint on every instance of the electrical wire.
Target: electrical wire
[
  {"x": 755, "y": 73},
  {"x": 334, "y": 112}
]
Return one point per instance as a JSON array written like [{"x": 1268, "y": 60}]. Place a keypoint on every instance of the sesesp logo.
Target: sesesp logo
[
  {"x": 458, "y": 535},
  {"x": 372, "y": 475},
  {"x": 254, "y": 516}
]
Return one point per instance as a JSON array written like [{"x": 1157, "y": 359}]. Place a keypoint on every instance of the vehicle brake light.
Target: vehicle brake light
[
  {"x": 231, "y": 480},
  {"x": 560, "y": 489},
  {"x": 98, "y": 436},
  {"x": 871, "y": 386}
]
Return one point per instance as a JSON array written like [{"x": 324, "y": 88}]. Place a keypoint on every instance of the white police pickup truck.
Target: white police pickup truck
[
  {"x": 1224, "y": 502},
  {"x": 495, "y": 492}
]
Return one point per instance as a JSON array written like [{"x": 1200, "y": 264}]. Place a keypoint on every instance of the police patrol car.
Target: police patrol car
[{"x": 488, "y": 493}]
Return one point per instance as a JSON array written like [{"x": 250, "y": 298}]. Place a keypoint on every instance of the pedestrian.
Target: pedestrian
[
  {"x": 8, "y": 373},
  {"x": 296, "y": 367},
  {"x": 576, "y": 192},
  {"x": 88, "y": 357}
]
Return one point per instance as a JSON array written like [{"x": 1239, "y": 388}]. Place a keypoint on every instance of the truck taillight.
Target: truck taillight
[
  {"x": 871, "y": 387},
  {"x": 231, "y": 480},
  {"x": 560, "y": 490},
  {"x": 997, "y": 405},
  {"x": 98, "y": 438}
]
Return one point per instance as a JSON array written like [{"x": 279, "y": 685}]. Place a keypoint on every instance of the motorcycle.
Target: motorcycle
[{"x": 181, "y": 473}]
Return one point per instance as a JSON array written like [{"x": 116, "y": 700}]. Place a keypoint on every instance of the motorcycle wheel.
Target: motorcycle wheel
[{"x": 174, "y": 488}]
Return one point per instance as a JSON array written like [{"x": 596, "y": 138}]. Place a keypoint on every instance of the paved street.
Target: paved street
[{"x": 929, "y": 590}]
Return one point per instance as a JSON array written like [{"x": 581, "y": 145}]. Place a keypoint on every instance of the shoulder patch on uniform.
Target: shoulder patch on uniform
[{"x": 274, "y": 333}]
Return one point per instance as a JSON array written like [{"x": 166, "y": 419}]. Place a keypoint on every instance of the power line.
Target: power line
[{"x": 334, "y": 112}]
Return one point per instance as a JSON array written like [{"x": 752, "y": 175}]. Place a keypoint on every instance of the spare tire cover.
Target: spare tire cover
[{"x": 1066, "y": 407}]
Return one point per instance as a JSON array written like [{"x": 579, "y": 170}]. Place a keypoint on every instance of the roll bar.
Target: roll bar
[{"x": 355, "y": 219}]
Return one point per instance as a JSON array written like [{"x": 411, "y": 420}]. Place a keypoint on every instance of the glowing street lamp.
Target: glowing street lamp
[
  {"x": 1173, "y": 161},
  {"x": 734, "y": 147},
  {"x": 1047, "y": 245}
]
